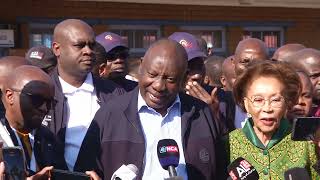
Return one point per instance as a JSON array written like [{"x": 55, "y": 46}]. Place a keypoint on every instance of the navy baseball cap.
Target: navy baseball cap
[
  {"x": 190, "y": 44},
  {"x": 110, "y": 40},
  {"x": 41, "y": 56}
]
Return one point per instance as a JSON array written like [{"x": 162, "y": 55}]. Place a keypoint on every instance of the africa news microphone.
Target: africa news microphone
[
  {"x": 168, "y": 154},
  {"x": 125, "y": 172},
  {"x": 241, "y": 169},
  {"x": 296, "y": 173}
]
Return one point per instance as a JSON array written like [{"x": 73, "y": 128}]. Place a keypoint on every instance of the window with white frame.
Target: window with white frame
[
  {"x": 40, "y": 34},
  {"x": 137, "y": 37},
  {"x": 214, "y": 36},
  {"x": 272, "y": 36}
]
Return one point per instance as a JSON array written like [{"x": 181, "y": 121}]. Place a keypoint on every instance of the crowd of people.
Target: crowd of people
[{"x": 86, "y": 106}]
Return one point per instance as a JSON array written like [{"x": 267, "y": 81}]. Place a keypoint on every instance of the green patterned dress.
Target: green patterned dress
[{"x": 280, "y": 154}]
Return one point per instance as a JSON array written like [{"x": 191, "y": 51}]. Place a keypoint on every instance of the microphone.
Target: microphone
[
  {"x": 242, "y": 169},
  {"x": 125, "y": 172},
  {"x": 296, "y": 173},
  {"x": 168, "y": 154}
]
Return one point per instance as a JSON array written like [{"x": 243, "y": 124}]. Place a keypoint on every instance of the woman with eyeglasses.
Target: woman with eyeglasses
[{"x": 266, "y": 91}]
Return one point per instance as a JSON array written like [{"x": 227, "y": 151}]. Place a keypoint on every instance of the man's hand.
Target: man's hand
[
  {"x": 196, "y": 90},
  {"x": 44, "y": 174},
  {"x": 93, "y": 175}
]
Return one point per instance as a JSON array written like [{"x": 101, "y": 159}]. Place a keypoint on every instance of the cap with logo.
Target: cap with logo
[
  {"x": 110, "y": 40},
  {"x": 190, "y": 44},
  {"x": 41, "y": 56}
]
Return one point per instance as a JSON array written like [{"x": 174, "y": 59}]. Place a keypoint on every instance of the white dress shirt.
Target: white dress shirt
[
  {"x": 82, "y": 105},
  {"x": 155, "y": 128},
  {"x": 240, "y": 118}
]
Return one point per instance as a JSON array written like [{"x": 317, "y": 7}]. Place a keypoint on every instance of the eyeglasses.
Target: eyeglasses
[
  {"x": 259, "y": 101},
  {"x": 36, "y": 99},
  {"x": 112, "y": 56}
]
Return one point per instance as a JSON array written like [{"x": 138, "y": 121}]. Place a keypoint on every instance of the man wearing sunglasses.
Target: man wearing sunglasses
[
  {"x": 115, "y": 62},
  {"x": 28, "y": 96}
]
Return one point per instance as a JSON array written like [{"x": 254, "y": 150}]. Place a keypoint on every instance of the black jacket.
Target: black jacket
[
  {"x": 57, "y": 122},
  {"x": 126, "y": 84},
  {"x": 122, "y": 140},
  {"x": 44, "y": 148},
  {"x": 230, "y": 111},
  {"x": 226, "y": 121}
]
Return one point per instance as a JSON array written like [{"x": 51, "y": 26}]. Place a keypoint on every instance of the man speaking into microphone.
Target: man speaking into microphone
[{"x": 131, "y": 125}]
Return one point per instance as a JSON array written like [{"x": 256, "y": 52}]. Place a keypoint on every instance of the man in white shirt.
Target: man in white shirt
[
  {"x": 78, "y": 94},
  {"x": 247, "y": 51},
  {"x": 132, "y": 125}
]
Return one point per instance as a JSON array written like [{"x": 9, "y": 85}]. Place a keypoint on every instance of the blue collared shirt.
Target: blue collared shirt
[{"x": 157, "y": 127}]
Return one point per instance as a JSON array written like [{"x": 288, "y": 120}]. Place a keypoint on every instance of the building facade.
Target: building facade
[{"x": 222, "y": 23}]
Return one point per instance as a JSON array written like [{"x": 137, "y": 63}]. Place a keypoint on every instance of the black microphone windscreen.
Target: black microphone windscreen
[
  {"x": 168, "y": 153},
  {"x": 242, "y": 169},
  {"x": 296, "y": 173}
]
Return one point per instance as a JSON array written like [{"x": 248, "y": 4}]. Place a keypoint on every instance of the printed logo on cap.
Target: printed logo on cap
[
  {"x": 108, "y": 37},
  {"x": 185, "y": 43},
  {"x": 36, "y": 55}
]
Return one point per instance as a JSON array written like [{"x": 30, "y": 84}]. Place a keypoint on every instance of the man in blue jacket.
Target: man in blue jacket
[{"x": 130, "y": 126}]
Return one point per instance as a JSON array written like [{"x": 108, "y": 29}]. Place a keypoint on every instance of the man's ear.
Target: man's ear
[
  {"x": 8, "y": 96},
  {"x": 232, "y": 60},
  {"x": 223, "y": 81},
  {"x": 183, "y": 81},
  {"x": 206, "y": 80},
  {"x": 56, "y": 48},
  {"x": 102, "y": 70}
]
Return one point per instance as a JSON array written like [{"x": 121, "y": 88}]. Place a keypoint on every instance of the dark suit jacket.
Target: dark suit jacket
[
  {"x": 45, "y": 149},
  {"x": 122, "y": 140},
  {"x": 126, "y": 84},
  {"x": 231, "y": 111},
  {"x": 57, "y": 122},
  {"x": 226, "y": 121}
]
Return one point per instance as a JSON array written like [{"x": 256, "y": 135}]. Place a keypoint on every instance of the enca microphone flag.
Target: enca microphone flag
[
  {"x": 241, "y": 169},
  {"x": 168, "y": 153}
]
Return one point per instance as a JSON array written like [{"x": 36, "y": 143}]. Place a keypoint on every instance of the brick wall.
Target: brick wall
[{"x": 304, "y": 26}]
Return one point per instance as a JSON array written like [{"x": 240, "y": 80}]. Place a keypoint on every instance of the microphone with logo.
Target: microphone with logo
[
  {"x": 168, "y": 154},
  {"x": 126, "y": 172},
  {"x": 241, "y": 169}
]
